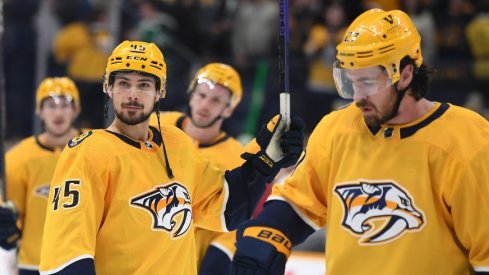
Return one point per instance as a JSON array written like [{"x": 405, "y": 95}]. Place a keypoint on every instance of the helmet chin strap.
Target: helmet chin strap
[
  {"x": 169, "y": 171},
  {"x": 400, "y": 96},
  {"x": 189, "y": 113}
]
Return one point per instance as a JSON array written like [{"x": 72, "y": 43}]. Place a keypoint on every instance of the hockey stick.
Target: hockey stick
[
  {"x": 3, "y": 189},
  {"x": 283, "y": 65}
]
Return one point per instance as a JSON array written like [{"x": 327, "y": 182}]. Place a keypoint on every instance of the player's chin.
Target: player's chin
[
  {"x": 134, "y": 118},
  {"x": 58, "y": 129}
]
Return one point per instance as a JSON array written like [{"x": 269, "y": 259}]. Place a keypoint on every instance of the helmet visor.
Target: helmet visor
[{"x": 360, "y": 82}]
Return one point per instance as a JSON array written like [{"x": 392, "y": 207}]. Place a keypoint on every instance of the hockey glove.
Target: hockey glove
[
  {"x": 261, "y": 249},
  {"x": 9, "y": 232},
  {"x": 278, "y": 148}
]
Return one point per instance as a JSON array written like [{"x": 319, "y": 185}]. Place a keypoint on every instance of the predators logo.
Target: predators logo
[
  {"x": 378, "y": 212},
  {"x": 77, "y": 140},
  {"x": 42, "y": 191},
  {"x": 169, "y": 206}
]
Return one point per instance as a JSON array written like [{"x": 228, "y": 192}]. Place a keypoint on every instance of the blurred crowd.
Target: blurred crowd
[{"x": 74, "y": 37}]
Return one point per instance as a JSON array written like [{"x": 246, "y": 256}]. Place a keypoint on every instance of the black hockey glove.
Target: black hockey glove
[
  {"x": 278, "y": 148},
  {"x": 9, "y": 232},
  {"x": 262, "y": 248}
]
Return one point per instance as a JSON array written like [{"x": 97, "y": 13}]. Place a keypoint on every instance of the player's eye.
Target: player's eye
[
  {"x": 144, "y": 85},
  {"x": 122, "y": 83},
  {"x": 369, "y": 83}
]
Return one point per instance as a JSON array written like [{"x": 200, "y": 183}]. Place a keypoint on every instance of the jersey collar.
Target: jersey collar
[
  {"x": 154, "y": 137},
  {"x": 45, "y": 147},
  {"x": 221, "y": 138},
  {"x": 411, "y": 129}
]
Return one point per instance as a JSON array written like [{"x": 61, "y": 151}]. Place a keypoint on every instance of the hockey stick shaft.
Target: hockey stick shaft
[
  {"x": 3, "y": 188},
  {"x": 283, "y": 64}
]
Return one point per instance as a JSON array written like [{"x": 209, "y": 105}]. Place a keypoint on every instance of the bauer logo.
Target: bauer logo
[
  {"x": 77, "y": 140},
  {"x": 169, "y": 205},
  {"x": 378, "y": 212}
]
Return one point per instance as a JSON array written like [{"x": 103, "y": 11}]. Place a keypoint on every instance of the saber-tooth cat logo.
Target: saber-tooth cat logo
[
  {"x": 378, "y": 211},
  {"x": 169, "y": 206}
]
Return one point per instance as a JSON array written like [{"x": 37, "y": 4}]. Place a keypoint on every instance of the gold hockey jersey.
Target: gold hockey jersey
[
  {"x": 224, "y": 153},
  {"x": 404, "y": 199},
  {"x": 112, "y": 200},
  {"x": 29, "y": 168}
]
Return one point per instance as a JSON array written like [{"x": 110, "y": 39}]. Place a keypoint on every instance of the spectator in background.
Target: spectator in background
[
  {"x": 83, "y": 51},
  {"x": 255, "y": 31},
  {"x": 159, "y": 23},
  {"x": 477, "y": 33},
  {"x": 453, "y": 63},
  {"x": 19, "y": 42},
  {"x": 214, "y": 25},
  {"x": 424, "y": 21},
  {"x": 254, "y": 41},
  {"x": 320, "y": 49}
]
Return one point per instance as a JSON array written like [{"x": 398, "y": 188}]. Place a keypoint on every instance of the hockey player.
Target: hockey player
[
  {"x": 214, "y": 93},
  {"x": 401, "y": 182},
  {"x": 125, "y": 200},
  {"x": 30, "y": 164}
]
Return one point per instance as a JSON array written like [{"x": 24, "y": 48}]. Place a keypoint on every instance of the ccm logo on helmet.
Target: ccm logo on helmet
[
  {"x": 136, "y": 57},
  {"x": 378, "y": 212},
  {"x": 170, "y": 207}
]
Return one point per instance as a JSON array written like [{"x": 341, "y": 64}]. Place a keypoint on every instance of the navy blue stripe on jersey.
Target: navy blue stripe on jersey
[
  {"x": 282, "y": 213},
  {"x": 224, "y": 138},
  {"x": 156, "y": 135},
  {"x": 245, "y": 192},
  {"x": 411, "y": 130},
  {"x": 28, "y": 272},
  {"x": 38, "y": 142},
  {"x": 212, "y": 256},
  {"x": 82, "y": 267},
  {"x": 180, "y": 121},
  {"x": 126, "y": 139},
  {"x": 42, "y": 145},
  {"x": 179, "y": 125}
]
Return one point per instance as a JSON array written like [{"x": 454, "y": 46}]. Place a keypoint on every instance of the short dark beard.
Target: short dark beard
[
  {"x": 134, "y": 120},
  {"x": 394, "y": 109},
  {"x": 378, "y": 121}
]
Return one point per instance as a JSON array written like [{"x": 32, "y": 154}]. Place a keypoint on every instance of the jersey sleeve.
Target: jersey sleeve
[
  {"x": 225, "y": 242},
  {"x": 211, "y": 194},
  {"x": 306, "y": 188},
  {"x": 224, "y": 200},
  {"x": 16, "y": 181},
  {"x": 468, "y": 202},
  {"x": 75, "y": 210}
]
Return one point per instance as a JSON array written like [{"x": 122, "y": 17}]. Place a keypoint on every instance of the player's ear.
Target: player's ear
[
  {"x": 227, "y": 112},
  {"x": 406, "y": 76},
  {"x": 159, "y": 95},
  {"x": 107, "y": 89}
]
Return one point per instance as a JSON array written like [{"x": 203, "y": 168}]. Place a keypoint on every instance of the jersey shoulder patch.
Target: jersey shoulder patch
[{"x": 79, "y": 139}]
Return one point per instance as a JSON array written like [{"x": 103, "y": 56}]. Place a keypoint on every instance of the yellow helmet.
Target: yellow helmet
[
  {"x": 379, "y": 37},
  {"x": 224, "y": 75},
  {"x": 57, "y": 86},
  {"x": 137, "y": 56}
]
